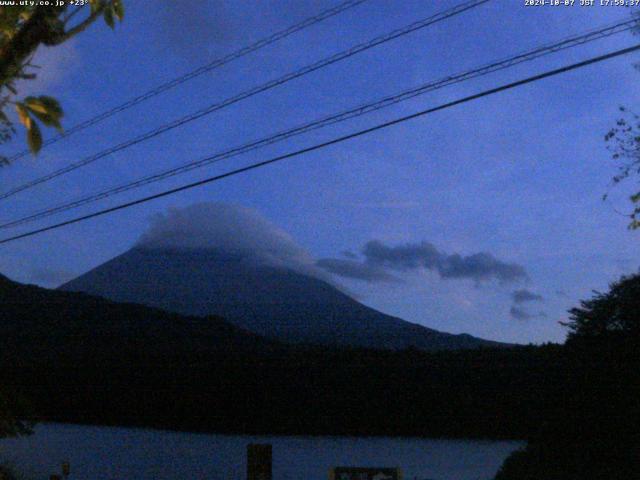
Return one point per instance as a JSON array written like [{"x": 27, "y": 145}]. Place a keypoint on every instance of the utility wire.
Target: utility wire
[
  {"x": 334, "y": 141},
  {"x": 217, "y": 63},
  {"x": 502, "y": 64},
  {"x": 251, "y": 92}
]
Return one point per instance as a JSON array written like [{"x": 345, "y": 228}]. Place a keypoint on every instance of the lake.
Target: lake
[{"x": 113, "y": 453}]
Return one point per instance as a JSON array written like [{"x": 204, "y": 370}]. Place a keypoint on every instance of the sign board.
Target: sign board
[
  {"x": 364, "y": 473},
  {"x": 259, "y": 462}
]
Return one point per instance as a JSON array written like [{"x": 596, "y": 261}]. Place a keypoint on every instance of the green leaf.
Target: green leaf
[
  {"x": 118, "y": 9},
  {"x": 48, "y": 120},
  {"x": 46, "y": 109},
  {"x": 108, "y": 17},
  {"x": 34, "y": 138},
  {"x": 53, "y": 106},
  {"x": 23, "y": 115},
  {"x": 95, "y": 5},
  {"x": 35, "y": 105}
]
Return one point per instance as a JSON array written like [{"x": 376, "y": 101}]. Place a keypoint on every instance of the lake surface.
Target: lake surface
[{"x": 106, "y": 453}]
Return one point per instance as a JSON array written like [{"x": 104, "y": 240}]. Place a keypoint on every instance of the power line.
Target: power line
[
  {"x": 334, "y": 141},
  {"x": 253, "y": 91},
  {"x": 502, "y": 64},
  {"x": 217, "y": 63}
]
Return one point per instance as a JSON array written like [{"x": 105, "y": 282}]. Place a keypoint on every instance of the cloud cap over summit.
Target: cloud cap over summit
[{"x": 228, "y": 228}]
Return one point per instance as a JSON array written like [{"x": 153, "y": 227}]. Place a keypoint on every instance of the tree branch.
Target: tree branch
[
  {"x": 72, "y": 14},
  {"x": 43, "y": 27},
  {"x": 36, "y": 30},
  {"x": 79, "y": 27}
]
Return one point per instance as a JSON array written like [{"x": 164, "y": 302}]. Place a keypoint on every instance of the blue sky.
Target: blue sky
[{"x": 518, "y": 175}]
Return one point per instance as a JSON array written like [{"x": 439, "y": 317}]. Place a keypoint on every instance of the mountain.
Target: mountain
[
  {"x": 73, "y": 357},
  {"x": 274, "y": 302},
  {"x": 38, "y": 325}
]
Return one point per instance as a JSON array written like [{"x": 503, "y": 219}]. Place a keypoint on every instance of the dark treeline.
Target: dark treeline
[
  {"x": 481, "y": 394},
  {"x": 594, "y": 432},
  {"x": 79, "y": 358}
]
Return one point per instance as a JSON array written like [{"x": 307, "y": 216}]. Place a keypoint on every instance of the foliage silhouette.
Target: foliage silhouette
[
  {"x": 23, "y": 28},
  {"x": 593, "y": 433}
]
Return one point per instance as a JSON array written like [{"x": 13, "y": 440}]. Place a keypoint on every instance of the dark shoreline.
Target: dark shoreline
[
  {"x": 482, "y": 394},
  {"x": 271, "y": 434}
]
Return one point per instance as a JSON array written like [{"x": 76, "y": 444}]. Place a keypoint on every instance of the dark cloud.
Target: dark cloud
[
  {"x": 523, "y": 295},
  {"x": 380, "y": 259},
  {"x": 356, "y": 270},
  {"x": 478, "y": 267},
  {"x": 520, "y": 313},
  {"x": 349, "y": 254},
  {"x": 404, "y": 257},
  {"x": 199, "y": 29},
  {"x": 481, "y": 266},
  {"x": 193, "y": 28}
]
